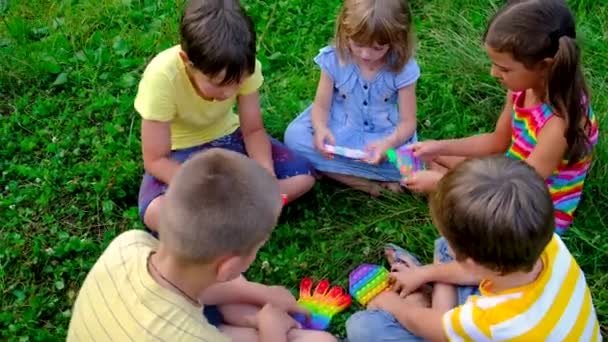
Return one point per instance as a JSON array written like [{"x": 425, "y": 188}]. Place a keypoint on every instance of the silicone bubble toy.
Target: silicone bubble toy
[
  {"x": 346, "y": 152},
  {"x": 403, "y": 158},
  {"x": 323, "y": 303},
  {"x": 367, "y": 281}
]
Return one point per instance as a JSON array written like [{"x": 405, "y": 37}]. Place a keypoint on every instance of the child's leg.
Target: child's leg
[
  {"x": 378, "y": 326},
  {"x": 152, "y": 214},
  {"x": 365, "y": 185},
  {"x": 295, "y": 173},
  {"x": 296, "y": 186},
  {"x": 444, "y": 295},
  {"x": 295, "y": 335},
  {"x": 240, "y": 325}
]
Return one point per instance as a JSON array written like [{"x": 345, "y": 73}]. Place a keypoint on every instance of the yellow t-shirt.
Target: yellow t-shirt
[
  {"x": 555, "y": 307},
  {"x": 166, "y": 94},
  {"x": 120, "y": 301}
]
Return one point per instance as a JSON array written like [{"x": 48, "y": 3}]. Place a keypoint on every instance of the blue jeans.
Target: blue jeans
[{"x": 381, "y": 326}]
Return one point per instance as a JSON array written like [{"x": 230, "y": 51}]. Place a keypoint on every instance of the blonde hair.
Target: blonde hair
[
  {"x": 219, "y": 203},
  {"x": 496, "y": 211},
  {"x": 377, "y": 21}
]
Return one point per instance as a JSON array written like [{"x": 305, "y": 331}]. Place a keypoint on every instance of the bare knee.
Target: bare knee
[
  {"x": 296, "y": 186},
  {"x": 300, "y": 335},
  {"x": 152, "y": 214}
]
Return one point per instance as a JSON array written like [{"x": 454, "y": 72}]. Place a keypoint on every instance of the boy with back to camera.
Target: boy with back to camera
[
  {"x": 496, "y": 215},
  {"x": 220, "y": 209}
]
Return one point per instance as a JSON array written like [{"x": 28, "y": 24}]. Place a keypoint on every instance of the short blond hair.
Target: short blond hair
[
  {"x": 219, "y": 203},
  {"x": 496, "y": 211},
  {"x": 377, "y": 21}
]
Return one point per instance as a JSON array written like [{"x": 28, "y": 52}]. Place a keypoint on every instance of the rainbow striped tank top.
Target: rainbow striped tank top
[{"x": 566, "y": 183}]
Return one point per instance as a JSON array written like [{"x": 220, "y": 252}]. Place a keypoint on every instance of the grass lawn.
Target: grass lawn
[{"x": 70, "y": 153}]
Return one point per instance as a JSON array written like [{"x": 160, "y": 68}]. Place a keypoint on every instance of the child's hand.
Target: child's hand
[
  {"x": 282, "y": 298},
  {"x": 422, "y": 181},
  {"x": 408, "y": 279},
  {"x": 376, "y": 151},
  {"x": 324, "y": 136},
  {"x": 426, "y": 150},
  {"x": 272, "y": 321}
]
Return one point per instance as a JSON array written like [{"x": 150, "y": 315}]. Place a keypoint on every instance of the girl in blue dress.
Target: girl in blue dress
[{"x": 365, "y": 98}]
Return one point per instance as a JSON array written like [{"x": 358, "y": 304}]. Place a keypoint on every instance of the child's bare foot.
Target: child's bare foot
[
  {"x": 392, "y": 186},
  {"x": 395, "y": 254},
  {"x": 365, "y": 185}
]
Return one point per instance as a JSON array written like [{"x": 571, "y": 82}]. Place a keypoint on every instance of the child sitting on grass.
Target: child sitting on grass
[
  {"x": 366, "y": 96},
  {"x": 220, "y": 209},
  {"x": 186, "y": 96},
  {"x": 547, "y": 118},
  {"x": 497, "y": 217}
]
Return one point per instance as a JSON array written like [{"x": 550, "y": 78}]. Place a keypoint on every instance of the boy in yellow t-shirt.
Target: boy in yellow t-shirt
[
  {"x": 496, "y": 215},
  {"x": 220, "y": 209},
  {"x": 186, "y": 99}
]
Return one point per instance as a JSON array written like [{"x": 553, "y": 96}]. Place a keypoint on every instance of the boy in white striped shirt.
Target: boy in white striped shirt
[{"x": 497, "y": 217}]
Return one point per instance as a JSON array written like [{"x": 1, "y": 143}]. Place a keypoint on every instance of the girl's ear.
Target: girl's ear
[{"x": 545, "y": 64}]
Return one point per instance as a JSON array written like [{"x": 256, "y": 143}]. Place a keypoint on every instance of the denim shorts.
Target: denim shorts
[
  {"x": 381, "y": 326},
  {"x": 286, "y": 164}
]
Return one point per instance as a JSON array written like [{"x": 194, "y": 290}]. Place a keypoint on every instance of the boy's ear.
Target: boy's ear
[
  {"x": 184, "y": 57},
  {"x": 228, "y": 268}
]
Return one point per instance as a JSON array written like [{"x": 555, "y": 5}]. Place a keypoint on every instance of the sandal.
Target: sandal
[{"x": 400, "y": 255}]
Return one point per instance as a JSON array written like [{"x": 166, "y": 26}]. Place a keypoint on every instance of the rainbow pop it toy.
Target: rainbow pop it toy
[
  {"x": 403, "y": 158},
  {"x": 367, "y": 281},
  {"x": 323, "y": 304}
]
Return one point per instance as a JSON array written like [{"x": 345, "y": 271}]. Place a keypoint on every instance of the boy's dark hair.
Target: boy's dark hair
[
  {"x": 533, "y": 30},
  {"x": 496, "y": 211},
  {"x": 217, "y": 35},
  {"x": 219, "y": 203}
]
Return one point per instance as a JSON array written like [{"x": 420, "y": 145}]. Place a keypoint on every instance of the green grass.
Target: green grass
[{"x": 70, "y": 153}]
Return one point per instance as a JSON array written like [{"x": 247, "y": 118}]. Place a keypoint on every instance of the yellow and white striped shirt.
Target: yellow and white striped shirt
[
  {"x": 555, "y": 307},
  {"x": 120, "y": 301}
]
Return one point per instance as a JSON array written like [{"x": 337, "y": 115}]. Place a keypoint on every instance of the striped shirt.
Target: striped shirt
[
  {"x": 557, "y": 306},
  {"x": 566, "y": 182},
  {"x": 120, "y": 301}
]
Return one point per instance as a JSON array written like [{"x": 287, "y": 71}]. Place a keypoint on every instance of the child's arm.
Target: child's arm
[
  {"x": 320, "y": 111},
  {"x": 474, "y": 146},
  {"x": 550, "y": 148},
  {"x": 156, "y": 148},
  {"x": 407, "y": 116},
  {"x": 406, "y": 126},
  {"x": 242, "y": 291},
  {"x": 408, "y": 280},
  {"x": 256, "y": 140}
]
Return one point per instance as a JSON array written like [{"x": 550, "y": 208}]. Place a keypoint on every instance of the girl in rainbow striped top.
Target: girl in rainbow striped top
[{"x": 547, "y": 119}]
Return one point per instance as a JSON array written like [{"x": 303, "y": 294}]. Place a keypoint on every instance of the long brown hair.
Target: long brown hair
[
  {"x": 533, "y": 30},
  {"x": 377, "y": 21}
]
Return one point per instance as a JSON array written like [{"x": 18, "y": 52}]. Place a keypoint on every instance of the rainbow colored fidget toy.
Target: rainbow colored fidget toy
[
  {"x": 367, "y": 281},
  {"x": 403, "y": 158},
  {"x": 346, "y": 152},
  {"x": 323, "y": 304}
]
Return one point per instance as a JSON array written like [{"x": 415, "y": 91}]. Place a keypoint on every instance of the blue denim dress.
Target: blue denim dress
[{"x": 362, "y": 112}]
